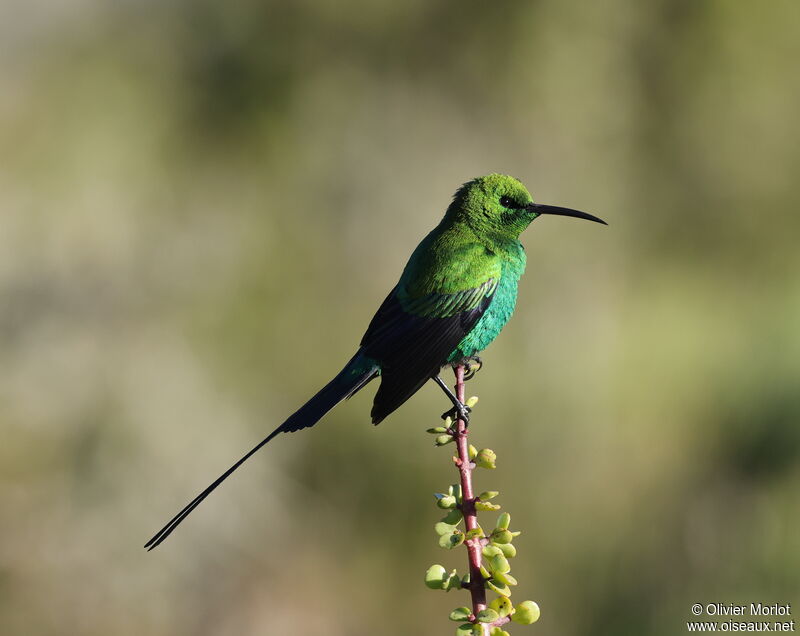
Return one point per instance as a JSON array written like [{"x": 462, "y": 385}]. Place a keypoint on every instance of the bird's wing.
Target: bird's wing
[{"x": 412, "y": 338}]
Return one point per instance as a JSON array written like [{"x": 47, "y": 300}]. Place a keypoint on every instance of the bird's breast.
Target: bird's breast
[{"x": 494, "y": 318}]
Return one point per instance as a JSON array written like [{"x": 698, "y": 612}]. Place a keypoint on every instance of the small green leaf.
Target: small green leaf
[
  {"x": 443, "y": 440},
  {"x": 472, "y": 401},
  {"x": 486, "y": 458},
  {"x": 498, "y": 631},
  {"x": 485, "y": 505},
  {"x": 485, "y": 572},
  {"x": 437, "y": 430},
  {"x": 498, "y": 563},
  {"x": 453, "y": 517},
  {"x": 448, "y": 422},
  {"x": 502, "y": 605},
  {"x": 503, "y": 521},
  {"x": 465, "y": 580},
  {"x": 452, "y": 582},
  {"x": 460, "y": 614},
  {"x": 486, "y": 495},
  {"x": 467, "y": 629},
  {"x": 452, "y": 540},
  {"x": 491, "y": 550},
  {"x": 435, "y": 576},
  {"x": 443, "y": 528},
  {"x": 501, "y": 536},
  {"x": 505, "y": 577},
  {"x": 508, "y": 550},
  {"x": 526, "y": 613},
  {"x": 473, "y": 452},
  {"x": 487, "y": 616},
  {"x": 445, "y": 502},
  {"x": 497, "y": 586}
]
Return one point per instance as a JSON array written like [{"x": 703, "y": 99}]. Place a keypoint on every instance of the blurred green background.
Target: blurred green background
[{"x": 201, "y": 206}]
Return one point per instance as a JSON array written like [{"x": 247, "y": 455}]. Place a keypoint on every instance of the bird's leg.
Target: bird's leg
[
  {"x": 459, "y": 410},
  {"x": 473, "y": 364}
]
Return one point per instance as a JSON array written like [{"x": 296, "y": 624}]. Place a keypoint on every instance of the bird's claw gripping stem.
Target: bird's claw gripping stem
[
  {"x": 473, "y": 364},
  {"x": 458, "y": 412}
]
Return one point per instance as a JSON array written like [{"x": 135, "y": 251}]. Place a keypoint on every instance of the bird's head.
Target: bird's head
[{"x": 500, "y": 206}]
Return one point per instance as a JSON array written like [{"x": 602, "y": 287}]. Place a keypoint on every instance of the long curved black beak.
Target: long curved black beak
[{"x": 554, "y": 209}]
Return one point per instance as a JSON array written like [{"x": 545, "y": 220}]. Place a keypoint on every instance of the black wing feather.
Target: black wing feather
[{"x": 412, "y": 348}]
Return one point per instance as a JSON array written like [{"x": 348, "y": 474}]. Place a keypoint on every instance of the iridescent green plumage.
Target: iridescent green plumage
[
  {"x": 461, "y": 279},
  {"x": 455, "y": 295}
]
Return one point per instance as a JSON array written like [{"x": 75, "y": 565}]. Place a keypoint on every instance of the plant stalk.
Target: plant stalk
[{"x": 464, "y": 464}]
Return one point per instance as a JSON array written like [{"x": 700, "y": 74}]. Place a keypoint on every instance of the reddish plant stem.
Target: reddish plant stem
[{"x": 474, "y": 546}]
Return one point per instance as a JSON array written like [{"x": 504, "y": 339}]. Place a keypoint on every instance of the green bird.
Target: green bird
[{"x": 455, "y": 295}]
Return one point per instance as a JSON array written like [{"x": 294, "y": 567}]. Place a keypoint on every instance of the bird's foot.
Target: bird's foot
[
  {"x": 473, "y": 364},
  {"x": 458, "y": 412}
]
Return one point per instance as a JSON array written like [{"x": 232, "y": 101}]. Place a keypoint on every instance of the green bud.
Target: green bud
[
  {"x": 452, "y": 540},
  {"x": 472, "y": 401},
  {"x": 465, "y": 580},
  {"x": 475, "y": 533},
  {"x": 505, "y": 577},
  {"x": 486, "y": 495},
  {"x": 501, "y": 536},
  {"x": 497, "y": 586},
  {"x": 457, "y": 492},
  {"x": 443, "y": 440},
  {"x": 516, "y": 533},
  {"x": 443, "y": 528},
  {"x": 526, "y": 613},
  {"x": 508, "y": 550},
  {"x": 473, "y": 452},
  {"x": 437, "y": 430},
  {"x": 503, "y": 521},
  {"x": 448, "y": 422},
  {"x": 502, "y": 605},
  {"x": 486, "y": 458},
  {"x": 460, "y": 614},
  {"x": 435, "y": 576},
  {"x": 445, "y": 502},
  {"x": 491, "y": 550},
  {"x": 498, "y": 563},
  {"x": 453, "y": 517},
  {"x": 487, "y": 616},
  {"x": 485, "y": 505},
  {"x": 498, "y": 631}
]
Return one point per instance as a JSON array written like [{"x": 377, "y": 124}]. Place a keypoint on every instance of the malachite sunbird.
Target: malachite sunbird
[{"x": 456, "y": 293}]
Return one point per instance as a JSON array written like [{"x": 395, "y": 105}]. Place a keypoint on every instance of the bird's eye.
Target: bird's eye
[{"x": 507, "y": 202}]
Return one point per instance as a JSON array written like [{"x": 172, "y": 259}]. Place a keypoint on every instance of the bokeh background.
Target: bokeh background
[{"x": 201, "y": 206}]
